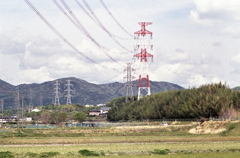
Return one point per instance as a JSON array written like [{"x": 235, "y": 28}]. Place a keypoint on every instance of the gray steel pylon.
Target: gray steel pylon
[
  {"x": 56, "y": 88},
  {"x": 128, "y": 84},
  {"x": 69, "y": 90}
]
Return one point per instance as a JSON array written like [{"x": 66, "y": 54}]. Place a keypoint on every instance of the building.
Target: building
[
  {"x": 102, "y": 111},
  {"x": 94, "y": 112},
  {"x": 35, "y": 110}
]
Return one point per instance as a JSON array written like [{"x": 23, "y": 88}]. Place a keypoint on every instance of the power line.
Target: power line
[
  {"x": 115, "y": 18},
  {"x": 102, "y": 26},
  {"x": 61, "y": 36},
  {"x": 95, "y": 18},
  {"x": 80, "y": 26}
]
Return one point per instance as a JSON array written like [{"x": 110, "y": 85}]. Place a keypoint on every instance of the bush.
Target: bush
[
  {"x": 48, "y": 154},
  {"x": 6, "y": 154},
  {"x": 86, "y": 152},
  {"x": 31, "y": 154},
  {"x": 102, "y": 153},
  {"x": 161, "y": 152}
]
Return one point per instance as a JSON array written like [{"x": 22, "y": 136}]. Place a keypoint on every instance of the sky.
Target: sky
[{"x": 195, "y": 42}]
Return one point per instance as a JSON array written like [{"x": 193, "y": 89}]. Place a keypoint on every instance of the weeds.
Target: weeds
[
  {"x": 31, "y": 154},
  {"x": 161, "y": 152},
  {"x": 86, "y": 152},
  {"x": 6, "y": 154},
  {"x": 48, "y": 154}
]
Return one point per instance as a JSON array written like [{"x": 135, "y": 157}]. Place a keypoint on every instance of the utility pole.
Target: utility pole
[
  {"x": 69, "y": 90},
  {"x": 2, "y": 110},
  {"x": 31, "y": 100},
  {"x": 18, "y": 103},
  {"x": 22, "y": 111},
  {"x": 129, "y": 77},
  {"x": 41, "y": 100},
  {"x": 142, "y": 48},
  {"x": 57, "y": 88}
]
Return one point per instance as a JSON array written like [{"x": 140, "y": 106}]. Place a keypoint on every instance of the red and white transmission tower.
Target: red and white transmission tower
[{"x": 142, "y": 48}]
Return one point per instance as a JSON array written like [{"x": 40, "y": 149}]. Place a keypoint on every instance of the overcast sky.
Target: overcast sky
[{"x": 195, "y": 42}]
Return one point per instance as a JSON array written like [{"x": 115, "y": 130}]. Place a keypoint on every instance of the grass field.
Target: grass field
[{"x": 169, "y": 142}]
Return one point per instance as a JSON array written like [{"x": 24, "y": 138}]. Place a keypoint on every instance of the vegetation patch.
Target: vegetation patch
[
  {"x": 86, "y": 152},
  {"x": 161, "y": 152},
  {"x": 48, "y": 154},
  {"x": 31, "y": 154},
  {"x": 6, "y": 154},
  {"x": 205, "y": 101}
]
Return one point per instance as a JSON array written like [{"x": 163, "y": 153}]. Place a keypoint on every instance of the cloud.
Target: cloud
[
  {"x": 187, "y": 71},
  {"x": 208, "y": 12},
  {"x": 15, "y": 44},
  {"x": 217, "y": 44},
  {"x": 179, "y": 56},
  {"x": 232, "y": 31},
  {"x": 198, "y": 79},
  {"x": 35, "y": 75}
]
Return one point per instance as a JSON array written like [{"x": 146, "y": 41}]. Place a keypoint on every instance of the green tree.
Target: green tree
[
  {"x": 80, "y": 116},
  {"x": 62, "y": 117}
]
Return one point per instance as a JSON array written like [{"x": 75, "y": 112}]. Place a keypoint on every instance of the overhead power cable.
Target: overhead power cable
[
  {"x": 61, "y": 36},
  {"x": 95, "y": 19},
  {"x": 115, "y": 19},
  {"x": 102, "y": 26},
  {"x": 80, "y": 26}
]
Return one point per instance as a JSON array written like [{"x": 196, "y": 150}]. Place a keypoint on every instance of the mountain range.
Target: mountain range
[{"x": 82, "y": 92}]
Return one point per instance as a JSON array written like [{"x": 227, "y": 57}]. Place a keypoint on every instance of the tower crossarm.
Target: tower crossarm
[
  {"x": 143, "y": 55},
  {"x": 143, "y": 30}
]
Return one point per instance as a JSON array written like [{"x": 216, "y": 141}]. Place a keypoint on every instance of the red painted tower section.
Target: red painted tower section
[{"x": 143, "y": 46}]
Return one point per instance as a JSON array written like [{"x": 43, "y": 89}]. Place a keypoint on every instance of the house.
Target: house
[
  {"x": 25, "y": 119},
  {"x": 94, "y": 112},
  {"x": 98, "y": 105},
  {"x": 35, "y": 110},
  {"x": 89, "y": 105},
  {"x": 104, "y": 110}
]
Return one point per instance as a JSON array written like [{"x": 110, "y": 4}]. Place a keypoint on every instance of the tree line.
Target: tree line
[{"x": 206, "y": 101}]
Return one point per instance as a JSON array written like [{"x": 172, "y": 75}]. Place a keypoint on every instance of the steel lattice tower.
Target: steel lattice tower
[
  {"x": 69, "y": 90},
  {"x": 57, "y": 88},
  {"x": 31, "y": 99},
  {"x": 2, "y": 109},
  {"x": 142, "y": 48},
  {"x": 129, "y": 77}
]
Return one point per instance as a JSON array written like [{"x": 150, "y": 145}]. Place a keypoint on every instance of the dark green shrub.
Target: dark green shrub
[
  {"x": 6, "y": 154},
  {"x": 102, "y": 153},
  {"x": 49, "y": 154},
  {"x": 86, "y": 152},
  {"x": 161, "y": 152},
  {"x": 31, "y": 154},
  {"x": 70, "y": 153}
]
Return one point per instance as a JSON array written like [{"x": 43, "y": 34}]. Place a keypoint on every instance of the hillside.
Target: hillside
[
  {"x": 205, "y": 101},
  {"x": 83, "y": 92},
  {"x": 236, "y": 88}
]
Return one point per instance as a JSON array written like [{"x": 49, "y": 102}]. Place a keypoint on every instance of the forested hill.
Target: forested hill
[
  {"x": 205, "y": 101},
  {"x": 83, "y": 92}
]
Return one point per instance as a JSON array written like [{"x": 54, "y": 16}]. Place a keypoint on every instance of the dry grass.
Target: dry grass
[{"x": 212, "y": 127}]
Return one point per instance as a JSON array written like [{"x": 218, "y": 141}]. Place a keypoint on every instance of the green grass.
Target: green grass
[
  {"x": 124, "y": 147},
  {"x": 67, "y": 142}
]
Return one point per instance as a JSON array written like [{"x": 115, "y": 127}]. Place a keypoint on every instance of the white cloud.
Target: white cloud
[
  {"x": 208, "y": 12},
  {"x": 236, "y": 59},
  {"x": 179, "y": 56},
  {"x": 231, "y": 31},
  {"x": 198, "y": 80},
  {"x": 34, "y": 75},
  {"x": 14, "y": 44}
]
